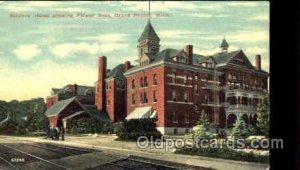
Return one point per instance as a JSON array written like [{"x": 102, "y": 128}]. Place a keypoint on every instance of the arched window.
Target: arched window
[
  {"x": 145, "y": 82},
  {"x": 154, "y": 80},
  {"x": 141, "y": 82},
  {"x": 133, "y": 84}
]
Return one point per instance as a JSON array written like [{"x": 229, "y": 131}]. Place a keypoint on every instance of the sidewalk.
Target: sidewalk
[{"x": 108, "y": 144}]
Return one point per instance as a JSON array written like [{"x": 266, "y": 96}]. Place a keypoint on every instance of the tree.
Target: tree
[
  {"x": 203, "y": 120},
  {"x": 240, "y": 128},
  {"x": 263, "y": 116}
]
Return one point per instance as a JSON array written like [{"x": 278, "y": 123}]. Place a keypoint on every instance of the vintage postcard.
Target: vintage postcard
[{"x": 134, "y": 85}]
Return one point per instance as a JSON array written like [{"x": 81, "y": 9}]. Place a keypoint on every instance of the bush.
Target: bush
[
  {"x": 74, "y": 130},
  {"x": 221, "y": 134},
  {"x": 201, "y": 133},
  {"x": 134, "y": 128},
  {"x": 224, "y": 153}
]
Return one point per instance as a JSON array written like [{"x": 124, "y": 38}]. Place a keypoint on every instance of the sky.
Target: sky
[{"x": 46, "y": 45}]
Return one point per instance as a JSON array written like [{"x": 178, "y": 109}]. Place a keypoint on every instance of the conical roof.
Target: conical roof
[
  {"x": 224, "y": 44},
  {"x": 148, "y": 33}
]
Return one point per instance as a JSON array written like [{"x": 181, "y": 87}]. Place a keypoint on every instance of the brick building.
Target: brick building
[
  {"x": 73, "y": 102},
  {"x": 175, "y": 85}
]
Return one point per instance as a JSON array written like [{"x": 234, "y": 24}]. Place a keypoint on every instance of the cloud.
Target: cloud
[
  {"x": 67, "y": 49},
  {"x": 110, "y": 37},
  {"x": 208, "y": 15},
  {"x": 27, "y": 51},
  {"x": 38, "y": 5},
  {"x": 261, "y": 17},
  {"x": 244, "y": 4},
  {"x": 36, "y": 81},
  {"x": 249, "y": 36},
  {"x": 26, "y": 6},
  {"x": 167, "y": 6}
]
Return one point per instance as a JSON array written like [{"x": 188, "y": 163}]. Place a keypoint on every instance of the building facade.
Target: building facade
[{"x": 176, "y": 85}]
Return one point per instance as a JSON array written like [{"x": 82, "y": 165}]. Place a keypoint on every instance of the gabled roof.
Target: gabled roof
[
  {"x": 117, "y": 72},
  {"x": 93, "y": 111},
  {"x": 224, "y": 58},
  {"x": 89, "y": 109},
  {"x": 148, "y": 33},
  {"x": 59, "y": 106},
  {"x": 81, "y": 90},
  {"x": 167, "y": 55}
]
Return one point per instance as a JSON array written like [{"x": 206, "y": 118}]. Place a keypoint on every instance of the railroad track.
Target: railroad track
[
  {"x": 123, "y": 162},
  {"x": 34, "y": 157}
]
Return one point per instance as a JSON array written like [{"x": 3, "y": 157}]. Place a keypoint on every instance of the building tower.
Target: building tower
[
  {"x": 148, "y": 43},
  {"x": 224, "y": 46}
]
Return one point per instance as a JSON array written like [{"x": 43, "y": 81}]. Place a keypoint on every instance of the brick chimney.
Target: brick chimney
[
  {"x": 188, "y": 49},
  {"x": 258, "y": 62},
  {"x": 127, "y": 65},
  {"x": 101, "y": 92},
  {"x": 74, "y": 89}
]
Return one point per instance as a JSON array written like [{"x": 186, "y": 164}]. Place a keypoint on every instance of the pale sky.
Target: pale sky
[{"x": 37, "y": 54}]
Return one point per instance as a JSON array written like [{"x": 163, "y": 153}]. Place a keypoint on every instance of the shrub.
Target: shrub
[
  {"x": 74, "y": 130},
  {"x": 134, "y": 128},
  {"x": 224, "y": 153}
]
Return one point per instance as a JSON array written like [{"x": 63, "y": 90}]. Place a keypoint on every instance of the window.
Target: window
[
  {"x": 196, "y": 88},
  {"x": 174, "y": 78},
  {"x": 108, "y": 102},
  {"x": 174, "y": 118},
  {"x": 154, "y": 80},
  {"x": 185, "y": 97},
  {"x": 141, "y": 82},
  {"x": 133, "y": 84},
  {"x": 145, "y": 98},
  {"x": 229, "y": 77},
  {"x": 142, "y": 98},
  {"x": 145, "y": 82},
  {"x": 154, "y": 96},
  {"x": 186, "y": 118},
  {"x": 196, "y": 76},
  {"x": 133, "y": 99},
  {"x": 196, "y": 107},
  {"x": 205, "y": 99},
  {"x": 185, "y": 81},
  {"x": 174, "y": 95}
]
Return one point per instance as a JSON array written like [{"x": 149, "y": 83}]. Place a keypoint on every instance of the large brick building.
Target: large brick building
[{"x": 175, "y": 85}]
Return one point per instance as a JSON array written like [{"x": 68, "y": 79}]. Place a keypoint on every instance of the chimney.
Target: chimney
[
  {"x": 126, "y": 65},
  {"x": 189, "y": 51},
  {"x": 257, "y": 62},
  {"x": 101, "y": 92},
  {"x": 74, "y": 89}
]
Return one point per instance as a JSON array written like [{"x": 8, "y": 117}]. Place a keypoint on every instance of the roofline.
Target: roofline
[
  {"x": 170, "y": 63},
  {"x": 74, "y": 98},
  {"x": 230, "y": 65}
]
